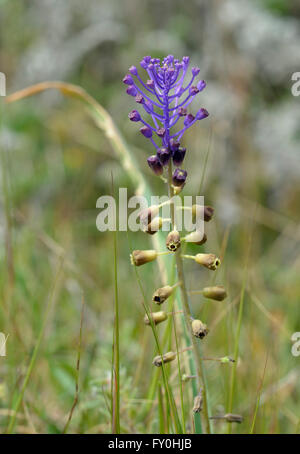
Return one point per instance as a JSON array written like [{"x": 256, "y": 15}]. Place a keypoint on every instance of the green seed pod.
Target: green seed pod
[
  {"x": 161, "y": 294},
  {"x": 166, "y": 358},
  {"x": 185, "y": 377},
  {"x": 154, "y": 226},
  {"x": 198, "y": 404},
  {"x": 199, "y": 329},
  {"x": 173, "y": 241},
  {"x": 217, "y": 292},
  {"x": 210, "y": 261},
  {"x": 157, "y": 317},
  {"x": 196, "y": 238},
  {"x": 226, "y": 360},
  {"x": 139, "y": 258}
]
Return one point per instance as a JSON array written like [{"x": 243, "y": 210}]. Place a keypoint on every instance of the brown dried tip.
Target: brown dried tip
[
  {"x": 206, "y": 211},
  {"x": 166, "y": 358},
  {"x": 139, "y": 258},
  {"x": 153, "y": 226},
  {"x": 217, "y": 292},
  {"x": 161, "y": 294},
  {"x": 210, "y": 261},
  {"x": 196, "y": 238},
  {"x": 198, "y": 404},
  {"x": 199, "y": 329},
  {"x": 156, "y": 317},
  {"x": 173, "y": 241},
  {"x": 148, "y": 214}
]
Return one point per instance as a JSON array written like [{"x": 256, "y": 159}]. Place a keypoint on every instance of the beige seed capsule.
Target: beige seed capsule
[
  {"x": 210, "y": 261},
  {"x": 177, "y": 189},
  {"x": 161, "y": 294},
  {"x": 173, "y": 241},
  {"x": 156, "y": 317},
  {"x": 198, "y": 404},
  {"x": 230, "y": 417},
  {"x": 166, "y": 358},
  {"x": 196, "y": 238},
  {"x": 154, "y": 226},
  {"x": 199, "y": 329},
  {"x": 139, "y": 258},
  {"x": 148, "y": 214},
  {"x": 217, "y": 292}
]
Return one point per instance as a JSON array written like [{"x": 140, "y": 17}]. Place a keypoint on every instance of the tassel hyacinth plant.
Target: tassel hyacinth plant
[{"x": 165, "y": 97}]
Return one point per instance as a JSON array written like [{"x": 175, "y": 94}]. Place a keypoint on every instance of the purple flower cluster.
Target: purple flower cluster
[{"x": 165, "y": 98}]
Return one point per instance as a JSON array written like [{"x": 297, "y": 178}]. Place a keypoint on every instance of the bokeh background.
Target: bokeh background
[{"x": 56, "y": 163}]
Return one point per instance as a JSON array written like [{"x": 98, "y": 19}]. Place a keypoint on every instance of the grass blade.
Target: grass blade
[
  {"x": 50, "y": 303},
  {"x": 258, "y": 396},
  {"x": 116, "y": 344},
  {"x": 77, "y": 371}
]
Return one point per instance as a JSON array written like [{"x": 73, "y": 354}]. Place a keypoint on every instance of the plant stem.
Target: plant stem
[{"x": 188, "y": 315}]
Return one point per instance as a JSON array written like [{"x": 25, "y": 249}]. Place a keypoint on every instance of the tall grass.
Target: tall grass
[{"x": 168, "y": 402}]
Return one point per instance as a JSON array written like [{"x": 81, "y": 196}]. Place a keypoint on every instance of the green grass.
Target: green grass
[{"x": 50, "y": 188}]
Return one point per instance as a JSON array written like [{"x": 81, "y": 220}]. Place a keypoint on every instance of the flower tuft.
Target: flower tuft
[
  {"x": 134, "y": 116},
  {"x": 147, "y": 132},
  {"x": 164, "y": 155},
  {"x": 179, "y": 177},
  {"x": 155, "y": 165},
  {"x": 165, "y": 95}
]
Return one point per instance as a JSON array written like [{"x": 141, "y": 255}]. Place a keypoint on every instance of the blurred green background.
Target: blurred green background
[{"x": 56, "y": 163}]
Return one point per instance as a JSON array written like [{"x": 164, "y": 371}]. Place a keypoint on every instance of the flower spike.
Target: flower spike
[{"x": 165, "y": 96}]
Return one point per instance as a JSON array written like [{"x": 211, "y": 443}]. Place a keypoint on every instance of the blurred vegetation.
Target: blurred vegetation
[{"x": 55, "y": 164}]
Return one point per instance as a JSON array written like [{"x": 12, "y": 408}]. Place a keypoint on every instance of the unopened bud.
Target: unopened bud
[
  {"x": 154, "y": 226},
  {"x": 139, "y": 258},
  {"x": 179, "y": 177},
  {"x": 205, "y": 211},
  {"x": 166, "y": 358},
  {"x": 217, "y": 292},
  {"x": 210, "y": 261},
  {"x": 230, "y": 417},
  {"x": 199, "y": 329},
  {"x": 196, "y": 238},
  {"x": 155, "y": 165},
  {"x": 173, "y": 241},
  {"x": 161, "y": 294},
  {"x": 198, "y": 403},
  {"x": 156, "y": 317}
]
